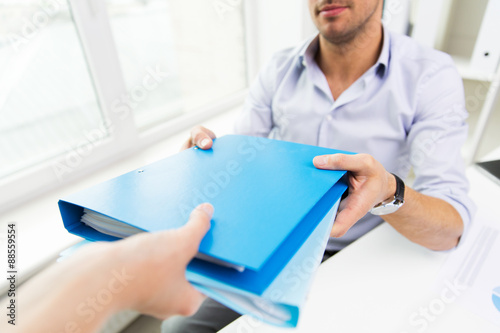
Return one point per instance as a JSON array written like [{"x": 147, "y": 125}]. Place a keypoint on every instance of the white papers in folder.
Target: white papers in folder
[{"x": 113, "y": 227}]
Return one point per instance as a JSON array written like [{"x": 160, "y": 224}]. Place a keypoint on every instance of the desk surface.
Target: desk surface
[{"x": 378, "y": 284}]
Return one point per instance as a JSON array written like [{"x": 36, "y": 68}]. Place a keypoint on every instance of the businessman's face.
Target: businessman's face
[{"x": 339, "y": 21}]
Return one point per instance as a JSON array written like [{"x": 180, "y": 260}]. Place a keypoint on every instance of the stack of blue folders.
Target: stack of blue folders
[{"x": 273, "y": 214}]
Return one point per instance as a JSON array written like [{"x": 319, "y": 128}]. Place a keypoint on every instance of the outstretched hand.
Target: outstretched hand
[
  {"x": 145, "y": 272},
  {"x": 158, "y": 262},
  {"x": 369, "y": 184}
]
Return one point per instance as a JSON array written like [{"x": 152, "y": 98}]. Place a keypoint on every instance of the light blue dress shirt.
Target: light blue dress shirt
[{"x": 407, "y": 111}]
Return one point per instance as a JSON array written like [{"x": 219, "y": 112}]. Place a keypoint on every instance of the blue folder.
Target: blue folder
[{"x": 270, "y": 201}]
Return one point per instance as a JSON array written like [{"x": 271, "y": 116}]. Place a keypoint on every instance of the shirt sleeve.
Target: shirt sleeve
[
  {"x": 256, "y": 116},
  {"x": 435, "y": 140}
]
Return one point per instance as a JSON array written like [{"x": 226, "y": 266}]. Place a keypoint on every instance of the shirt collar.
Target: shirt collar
[
  {"x": 308, "y": 53},
  {"x": 383, "y": 59}
]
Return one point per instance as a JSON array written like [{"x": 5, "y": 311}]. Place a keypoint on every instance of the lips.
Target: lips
[{"x": 331, "y": 10}]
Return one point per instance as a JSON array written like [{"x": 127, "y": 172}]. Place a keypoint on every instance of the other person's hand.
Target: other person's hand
[
  {"x": 156, "y": 263},
  {"x": 145, "y": 272},
  {"x": 201, "y": 137},
  {"x": 369, "y": 184}
]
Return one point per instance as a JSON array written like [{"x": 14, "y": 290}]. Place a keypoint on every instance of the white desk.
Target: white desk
[{"x": 377, "y": 283}]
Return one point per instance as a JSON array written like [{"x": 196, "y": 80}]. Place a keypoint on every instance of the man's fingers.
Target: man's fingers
[
  {"x": 202, "y": 137},
  {"x": 353, "y": 163},
  {"x": 197, "y": 226},
  {"x": 187, "y": 144},
  {"x": 367, "y": 183},
  {"x": 352, "y": 209}
]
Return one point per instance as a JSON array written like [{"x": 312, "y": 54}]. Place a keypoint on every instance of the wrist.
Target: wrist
[
  {"x": 121, "y": 275},
  {"x": 391, "y": 186},
  {"x": 109, "y": 284},
  {"x": 396, "y": 188}
]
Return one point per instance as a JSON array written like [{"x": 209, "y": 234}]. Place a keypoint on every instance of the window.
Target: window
[
  {"x": 197, "y": 55},
  {"x": 70, "y": 70},
  {"x": 47, "y": 101}
]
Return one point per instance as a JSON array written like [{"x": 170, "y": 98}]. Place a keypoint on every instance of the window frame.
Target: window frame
[{"x": 93, "y": 26}]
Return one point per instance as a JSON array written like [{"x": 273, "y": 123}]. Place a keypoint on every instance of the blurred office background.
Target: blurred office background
[
  {"x": 111, "y": 75},
  {"x": 86, "y": 83}
]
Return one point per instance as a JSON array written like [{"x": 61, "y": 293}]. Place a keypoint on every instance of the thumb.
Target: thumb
[{"x": 197, "y": 226}]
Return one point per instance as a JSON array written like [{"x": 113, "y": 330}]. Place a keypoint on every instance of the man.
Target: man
[
  {"x": 145, "y": 273},
  {"x": 360, "y": 88}
]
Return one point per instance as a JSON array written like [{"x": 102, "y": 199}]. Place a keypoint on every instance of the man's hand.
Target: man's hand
[
  {"x": 369, "y": 184},
  {"x": 201, "y": 137}
]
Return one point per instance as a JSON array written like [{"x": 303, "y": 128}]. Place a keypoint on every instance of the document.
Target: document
[
  {"x": 472, "y": 272},
  {"x": 273, "y": 213}
]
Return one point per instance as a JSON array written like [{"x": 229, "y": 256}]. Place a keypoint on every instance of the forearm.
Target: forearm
[
  {"x": 428, "y": 221},
  {"x": 425, "y": 220},
  {"x": 77, "y": 295}
]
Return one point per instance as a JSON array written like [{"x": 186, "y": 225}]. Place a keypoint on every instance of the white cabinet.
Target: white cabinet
[{"x": 469, "y": 30}]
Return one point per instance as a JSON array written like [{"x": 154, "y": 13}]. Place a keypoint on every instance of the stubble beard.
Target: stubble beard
[{"x": 349, "y": 39}]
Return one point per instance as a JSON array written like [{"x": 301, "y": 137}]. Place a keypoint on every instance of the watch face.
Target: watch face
[{"x": 386, "y": 209}]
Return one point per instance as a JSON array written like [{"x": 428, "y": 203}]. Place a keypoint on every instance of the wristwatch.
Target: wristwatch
[{"x": 391, "y": 205}]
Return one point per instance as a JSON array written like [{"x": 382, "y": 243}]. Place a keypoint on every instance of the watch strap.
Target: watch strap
[{"x": 400, "y": 189}]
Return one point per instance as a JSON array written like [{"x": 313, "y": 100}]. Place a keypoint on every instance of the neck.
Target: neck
[{"x": 347, "y": 61}]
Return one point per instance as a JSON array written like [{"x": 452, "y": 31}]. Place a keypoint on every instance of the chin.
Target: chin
[
  {"x": 335, "y": 35},
  {"x": 333, "y": 26},
  {"x": 337, "y": 32}
]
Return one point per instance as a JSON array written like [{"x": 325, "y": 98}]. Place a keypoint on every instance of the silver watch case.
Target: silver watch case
[{"x": 387, "y": 207}]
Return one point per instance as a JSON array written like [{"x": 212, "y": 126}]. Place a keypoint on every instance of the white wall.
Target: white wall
[{"x": 276, "y": 25}]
